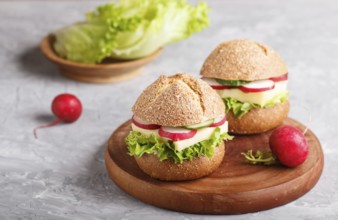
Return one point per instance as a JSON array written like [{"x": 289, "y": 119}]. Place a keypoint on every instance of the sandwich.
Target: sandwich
[
  {"x": 251, "y": 78},
  {"x": 177, "y": 129}
]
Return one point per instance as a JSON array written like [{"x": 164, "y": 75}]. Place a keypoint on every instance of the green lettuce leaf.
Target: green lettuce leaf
[
  {"x": 278, "y": 99},
  {"x": 239, "y": 108},
  {"x": 130, "y": 29},
  {"x": 139, "y": 144},
  {"x": 83, "y": 42}
]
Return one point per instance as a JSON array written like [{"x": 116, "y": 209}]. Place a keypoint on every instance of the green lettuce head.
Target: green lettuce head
[{"x": 130, "y": 29}]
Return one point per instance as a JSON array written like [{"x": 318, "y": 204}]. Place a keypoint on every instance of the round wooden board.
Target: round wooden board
[{"x": 235, "y": 187}]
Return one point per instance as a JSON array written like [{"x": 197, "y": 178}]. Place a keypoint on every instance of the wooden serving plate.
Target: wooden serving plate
[{"x": 235, "y": 187}]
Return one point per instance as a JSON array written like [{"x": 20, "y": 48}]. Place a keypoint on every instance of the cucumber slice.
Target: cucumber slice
[
  {"x": 232, "y": 82},
  {"x": 200, "y": 125}
]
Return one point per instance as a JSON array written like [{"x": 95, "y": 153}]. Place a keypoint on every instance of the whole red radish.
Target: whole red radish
[
  {"x": 289, "y": 145},
  {"x": 66, "y": 107}
]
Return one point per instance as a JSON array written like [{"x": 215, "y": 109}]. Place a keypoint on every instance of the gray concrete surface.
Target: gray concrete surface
[{"x": 61, "y": 175}]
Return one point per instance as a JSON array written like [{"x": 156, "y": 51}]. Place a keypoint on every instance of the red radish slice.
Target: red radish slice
[
  {"x": 176, "y": 134},
  {"x": 221, "y": 87},
  {"x": 215, "y": 85},
  {"x": 219, "y": 121},
  {"x": 279, "y": 78},
  {"x": 142, "y": 124},
  {"x": 258, "y": 86}
]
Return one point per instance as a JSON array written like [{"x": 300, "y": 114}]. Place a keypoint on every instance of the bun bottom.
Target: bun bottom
[
  {"x": 258, "y": 120},
  {"x": 188, "y": 170}
]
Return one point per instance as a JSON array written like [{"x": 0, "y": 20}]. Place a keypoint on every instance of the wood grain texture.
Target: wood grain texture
[
  {"x": 235, "y": 187},
  {"x": 106, "y": 72}
]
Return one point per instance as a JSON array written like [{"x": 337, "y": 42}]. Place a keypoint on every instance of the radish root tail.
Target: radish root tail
[
  {"x": 57, "y": 121},
  {"x": 309, "y": 119}
]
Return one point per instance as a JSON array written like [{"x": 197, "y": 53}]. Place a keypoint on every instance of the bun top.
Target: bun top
[
  {"x": 243, "y": 60},
  {"x": 178, "y": 100}
]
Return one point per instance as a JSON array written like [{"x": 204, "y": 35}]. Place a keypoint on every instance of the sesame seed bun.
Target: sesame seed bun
[
  {"x": 192, "y": 169},
  {"x": 258, "y": 120},
  {"x": 178, "y": 100},
  {"x": 243, "y": 59}
]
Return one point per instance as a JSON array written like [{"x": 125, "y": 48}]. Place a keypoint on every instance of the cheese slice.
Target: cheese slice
[
  {"x": 201, "y": 135},
  {"x": 260, "y": 98}
]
